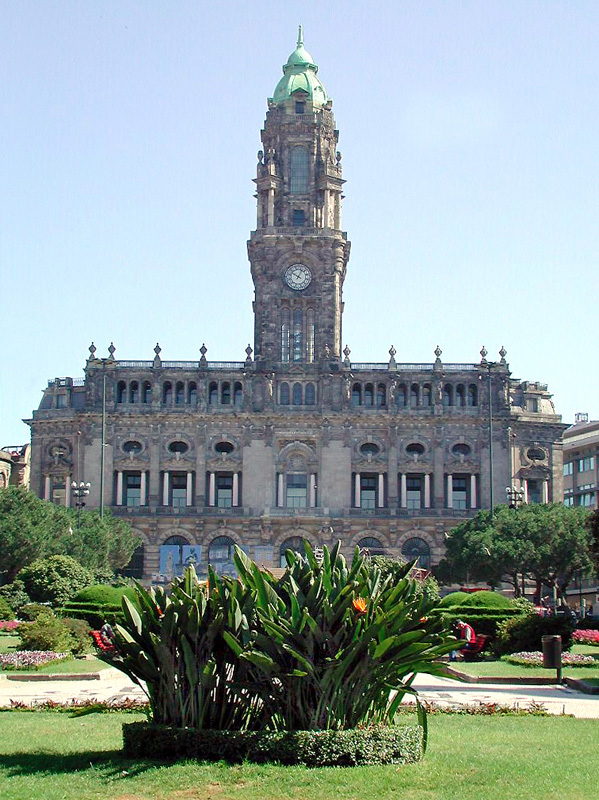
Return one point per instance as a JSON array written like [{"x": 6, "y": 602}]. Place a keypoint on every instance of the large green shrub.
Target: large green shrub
[
  {"x": 322, "y": 647},
  {"x": 486, "y": 600},
  {"x": 103, "y": 594},
  {"x": 374, "y": 745},
  {"x": 524, "y": 633},
  {"x": 81, "y": 642},
  {"x": 47, "y": 632},
  {"x": 15, "y": 595},
  {"x": 453, "y": 599},
  {"x": 31, "y": 611},
  {"x": 55, "y": 579},
  {"x": 483, "y": 620},
  {"x": 6, "y": 611}
]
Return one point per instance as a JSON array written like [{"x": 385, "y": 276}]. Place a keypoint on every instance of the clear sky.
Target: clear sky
[{"x": 128, "y": 139}]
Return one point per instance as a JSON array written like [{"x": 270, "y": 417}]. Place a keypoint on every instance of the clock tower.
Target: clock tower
[{"x": 298, "y": 252}]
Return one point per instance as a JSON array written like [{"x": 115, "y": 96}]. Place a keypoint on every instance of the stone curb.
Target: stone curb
[
  {"x": 501, "y": 679},
  {"x": 56, "y": 676},
  {"x": 581, "y": 686}
]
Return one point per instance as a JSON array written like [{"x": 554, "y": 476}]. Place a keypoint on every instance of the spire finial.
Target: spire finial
[{"x": 300, "y": 36}]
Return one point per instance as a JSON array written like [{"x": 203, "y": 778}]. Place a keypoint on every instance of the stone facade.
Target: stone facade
[{"x": 296, "y": 441}]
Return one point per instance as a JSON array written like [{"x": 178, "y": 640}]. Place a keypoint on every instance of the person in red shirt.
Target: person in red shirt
[{"x": 465, "y": 633}]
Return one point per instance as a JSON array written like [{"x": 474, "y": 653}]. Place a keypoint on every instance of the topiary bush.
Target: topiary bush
[
  {"x": 31, "y": 611},
  {"x": 483, "y": 620},
  {"x": 55, "y": 579},
  {"x": 486, "y": 600},
  {"x": 101, "y": 594},
  {"x": 524, "y": 633},
  {"x": 453, "y": 599},
  {"x": 374, "y": 745},
  {"x": 15, "y": 595}
]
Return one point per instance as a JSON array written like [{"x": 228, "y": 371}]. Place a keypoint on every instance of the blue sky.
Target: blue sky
[{"x": 128, "y": 139}]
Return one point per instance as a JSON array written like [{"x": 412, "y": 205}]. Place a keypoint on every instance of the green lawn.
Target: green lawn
[
  {"x": 52, "y": 756},
  {"x": 498, "y": 668},
  {"x": 9, "y": 643}
]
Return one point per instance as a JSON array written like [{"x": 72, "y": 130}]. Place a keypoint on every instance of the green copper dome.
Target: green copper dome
[{"x": 299, "y": 74}]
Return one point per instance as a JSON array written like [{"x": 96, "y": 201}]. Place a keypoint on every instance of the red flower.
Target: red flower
[{"x": 359, "y": 605}]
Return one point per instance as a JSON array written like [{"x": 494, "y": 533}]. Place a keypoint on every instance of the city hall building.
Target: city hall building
[{"x": 297, "y": 441}]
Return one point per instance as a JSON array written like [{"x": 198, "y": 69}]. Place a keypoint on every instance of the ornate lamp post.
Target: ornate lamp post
[
  {"x": 80, "y": 490},
  {"x": 514, "y": 496}
]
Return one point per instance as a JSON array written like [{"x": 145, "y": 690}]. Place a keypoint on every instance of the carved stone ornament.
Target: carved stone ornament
[
  {"x": 483, "y": 355},
  {"x": 203, "y": 351},
  {"x": 502, "y": 354},
  {"x": 92, "y": 351},
  {"x": 111, "y": 351}
]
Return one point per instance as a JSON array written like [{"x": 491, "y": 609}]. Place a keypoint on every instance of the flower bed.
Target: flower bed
[
  {"x": 535, "y": 659},
  {"x": 8, "y": 625},
  {"x": 586, "y": 637},
  {"x": 30, "y": 659}
]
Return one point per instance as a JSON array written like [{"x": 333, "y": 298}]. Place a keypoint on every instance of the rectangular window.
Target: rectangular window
[
  {"x": 532, "y": 404},
  {"x": 300, "y": 107},
  {"x": 585, "y": 464},
  {"x": 368, "y": 491},
  {"x": 297, "y": 490},
  {"x": 178, "y": 489},
  {"x": 59, "y": 491},
  {"x": 569, "y": 468},
  {"x": 587, "y": 499},
  {"x": 132, "y": 489},
  {"x": 460, "y": 491},
  {"x": 568, "y": 501},
  {"x": 224, "y": 491},
  {"x": 61, "y": 401},
  {"x": 534, "y": 491},
  {"x": 299, "y": 218},
  {"x": 414, "y": 492}
]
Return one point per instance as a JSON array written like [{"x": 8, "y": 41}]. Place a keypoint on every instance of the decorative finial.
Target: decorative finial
[
  {"x": 346, "y": 353},
  {"x": 260, "y": 156},
  {"x": 392, "y": 352},
  {"x": 157, "y": 349},
  {"x": 483, "y": 355},
  {"x": 300, "y": 36},
  {"x": 92, "y": 351},
  {"x": 502, "y": 354},
  {"x": 248, "y": 353},
  {"x": 203, "y": 351},
  {"x": 111, "y": 351},
  {"x": 438, "y": 352}
]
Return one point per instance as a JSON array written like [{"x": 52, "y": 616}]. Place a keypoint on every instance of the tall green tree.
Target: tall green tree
[
  {"x": 31, "y": 528},
  {"x": 549, "y": 543}
]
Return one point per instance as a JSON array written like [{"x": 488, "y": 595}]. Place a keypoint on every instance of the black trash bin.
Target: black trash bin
[{"x": 552, "y": 652}]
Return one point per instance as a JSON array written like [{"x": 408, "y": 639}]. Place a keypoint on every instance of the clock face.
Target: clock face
[{"x": 298, "y": 277}]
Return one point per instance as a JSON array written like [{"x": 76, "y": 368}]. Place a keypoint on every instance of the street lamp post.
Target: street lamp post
[
  {"x": 514, "y": 496},
  {"x": 80, "y": 490}
]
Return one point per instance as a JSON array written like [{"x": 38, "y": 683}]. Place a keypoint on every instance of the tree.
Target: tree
[
  {"x": 548, "y": 542},
  {"x": 31, "y": 528},
  {"x": 593, "y": 526},
  {"x": 55, "y": 579}
]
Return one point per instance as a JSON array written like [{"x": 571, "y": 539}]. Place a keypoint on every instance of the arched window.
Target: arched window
[
  {"x": 167, "y": 393},
  {"x": 192, "y": 393},
  {"x": 381, "y": 395},
  {"x": 284, "y": 394},
  {"x": 237, "y": 393},
  {"x": 401, "y": 396},
  {"x": 372, "y": 545},
  {"x": 297, "y": 394},
  {"x": 369, "y": 395},
  {"x": 310, "y": 335},
  {"x": 448, "y": 395},
  {"x": 295, "y": 543},
  {"x": 426, "y": 395},
  {"x": 213, "y": 393},
  {"x": 284, "y": 334},
  {"x": 299, "y": 170},
  {"x": 225, "y": 394},
  {"x": 220, "y": 556},
  {"x": 414, "y": 395},
  {"x": 179, "y": 393},
  {"x": 310, "y": 394},
  {"x": 417, "y": 548},
  {"x": 460, "y": 395},
  {"x": 472, "y": 395},
  {"x": 298, "y": 338},
  {"x": 172, "y": 558},
  {"x": 121, "y": 391},
  {"x": 356, "y": 395},
  {"x": 134, "y": 392},
  {"x": 146, "y": 395}
]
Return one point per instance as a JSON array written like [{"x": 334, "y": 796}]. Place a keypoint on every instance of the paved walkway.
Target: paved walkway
[{"x": 112, "y": 685}]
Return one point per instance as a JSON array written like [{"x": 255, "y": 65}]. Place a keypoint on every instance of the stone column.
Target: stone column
[
  {"x": 312, "y": 490},
  {"x": 427, "y": 490},
  {"x": 280, "y": 490},
  {"x": 212, "y": 489},
  {"x": 119, "y": 488},
  {"x": 271, "y": 207},
  {"x": 473, "y": 491},
  {"x": 189, "y": 488},
  {"x": 381, "y": 492},
  {"x": 47, "y": 487},
  {"x": 235, "y": 499},
  {"x": 545, "y": 491},
  {"x": 67, "y": 491},
  {"x": 357, "y": 502},
  {"x": 142, "y": 488},
  {"x": 404, "y": 490},
  {"x": 165, "y": 489},
  {"x": 450, "y": 491}
]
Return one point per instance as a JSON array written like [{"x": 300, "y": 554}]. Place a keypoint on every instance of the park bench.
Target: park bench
[{"x": 476, "y": 649}]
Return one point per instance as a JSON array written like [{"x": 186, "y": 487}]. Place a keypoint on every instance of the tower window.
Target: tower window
[
  {"x": 299, "y": 170},
  {"x": 299, "y": 217},
  {"x": 284, "y": 394},
  {"x": 300, "y": 106},
  {"x": 310, "y": 334},
  {"x": 297, "y": 334},
  {"x": 146, "y": 396},
  {"x": 284, "y": 334},
  {"x": 297, "y": 490},
  {"x": 297, "y": 394},
  {"x": 310, "y": 397},
  {"x": 179, "y": 393},
  {"x": 134, "y": 392}
]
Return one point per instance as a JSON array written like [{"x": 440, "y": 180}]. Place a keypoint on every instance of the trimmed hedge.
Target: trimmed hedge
[
  {"x": 101, "y": 594},
  {"x": 95, "y": 615},
  {"x": 483, "y": 620},
  {"x": 487, "y": 600},
  {"x": 453, "y": 599},
  {"x": 345, "y": 748},
  {"x": 525, "y": 634}
]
